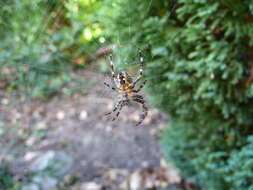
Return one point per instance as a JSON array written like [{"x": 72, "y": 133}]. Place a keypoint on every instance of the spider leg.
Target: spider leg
[
  {"x": 141, "y": 86},
  {"x": 140, "y": 100},
  {"x": 140, "y": 70},
  {"x": 111, "y": 87},
  {"x": 119, "y": 110},
  {"x": 115, "y": 108},
  {"x": 112, "y": 68},
  {"x": 137, "y": 96}
]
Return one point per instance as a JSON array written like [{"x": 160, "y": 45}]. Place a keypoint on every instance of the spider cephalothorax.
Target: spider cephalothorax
[{"x": 124, "y": 85}]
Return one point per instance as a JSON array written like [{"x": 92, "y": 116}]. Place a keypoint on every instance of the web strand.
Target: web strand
[{"x": 53, "y": 17}]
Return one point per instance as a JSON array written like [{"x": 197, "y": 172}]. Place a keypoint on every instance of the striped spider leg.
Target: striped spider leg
[{"x": 139, "y": 99}]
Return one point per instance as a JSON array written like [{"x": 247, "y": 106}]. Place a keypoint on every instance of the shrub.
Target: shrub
[
  {"x": 43, "y": 40},
  {"x": 199, "y": 64},
  {"x": 7, "y": 180},
  {"x": 34, "y": 40}
]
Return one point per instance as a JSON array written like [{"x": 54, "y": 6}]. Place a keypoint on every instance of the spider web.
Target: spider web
[
  {"x": 121, "y": 60},
  {"x": 103, "y": 94},
  {"x": 53, "y": 18}
]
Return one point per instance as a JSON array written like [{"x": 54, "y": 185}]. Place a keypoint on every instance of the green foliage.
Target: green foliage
[
  {"x": 40, "y": 41},
  {"x": 34, "y": 46},
  {"x": 198, "y": 61},
  {"x": 84, "y": 24},
  {"x": 240, "y": 166},
  {"x": 7, "y": 180}
]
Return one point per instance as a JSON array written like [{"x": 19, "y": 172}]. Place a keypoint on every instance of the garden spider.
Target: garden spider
[{"x": 124, "y": 85}]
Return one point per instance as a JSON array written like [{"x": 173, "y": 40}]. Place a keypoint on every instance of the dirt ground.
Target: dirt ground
[{"x": 77, "y": 126}]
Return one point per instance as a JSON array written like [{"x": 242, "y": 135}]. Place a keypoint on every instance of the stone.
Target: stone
[
  {"x": 45, "y": 182},
  {"x": 30, "y": 141},
  {"x": 60, "y": 115},
  {"x": 54, "y": 163},
  {"x": 135, "y": 181},
  {"x": 41, "y": 125},
  {"x": 30, "y": 156},
  {"x": 91, "y": 186},
  {"x": 83, "y": 115},
  {"x": 48, "y": 168},
  {"x": 30, "y": 187},
  {"x": 5, "y": 101},
  {"x": 42, "y": 162}
]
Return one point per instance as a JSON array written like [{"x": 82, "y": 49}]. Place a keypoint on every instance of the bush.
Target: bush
[
  {"x": 42, "y": 40},
  {"x": 199, "y": 64},
  {"x": 34, "y": 40},
  {"x": 7, "y": 180}
]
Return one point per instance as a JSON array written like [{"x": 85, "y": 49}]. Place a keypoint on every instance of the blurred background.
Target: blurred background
[{"x": 198, "y": 63}]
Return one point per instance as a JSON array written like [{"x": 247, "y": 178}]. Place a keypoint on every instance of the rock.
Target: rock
[
  {"x": 164, "y": 164},
  {"x": 41, "y": 125},
  {"x": 108, "y": 129},
  {"x": 145, "y": 164},
  {"x": 111, "y": 175},
  {"x": 135, "y": 182},
  {"x": 42, "y": 161},
  {"x": 60, "y": 115},
  {"x": 110, "y": 105},
  {"x": 45, "y": 182},
  {"x": 91, "y": 186},
  {"x": 17, "y": 115},
  {"x": 173, "y": 176},
  {"x": 30, "y": 156},
  {"x": 171, "y": 187},
  {"x": 135, "y": 116},
  {"x": 47, "y": 169},
  {"x": 31, "y": 186},
  {"x": 5, "y": 101},
  {"x": 83, "y": 115},
  {"x": 30, "y": 141},
  {"x": 156, "y": 178},
  {"x": 48, "y": 183},
  {"x": 171, "y": 173},
  {"x": 54, "y": 163}
]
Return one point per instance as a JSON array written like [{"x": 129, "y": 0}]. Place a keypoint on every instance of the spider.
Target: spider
[{"x": 125, "y": 86}]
